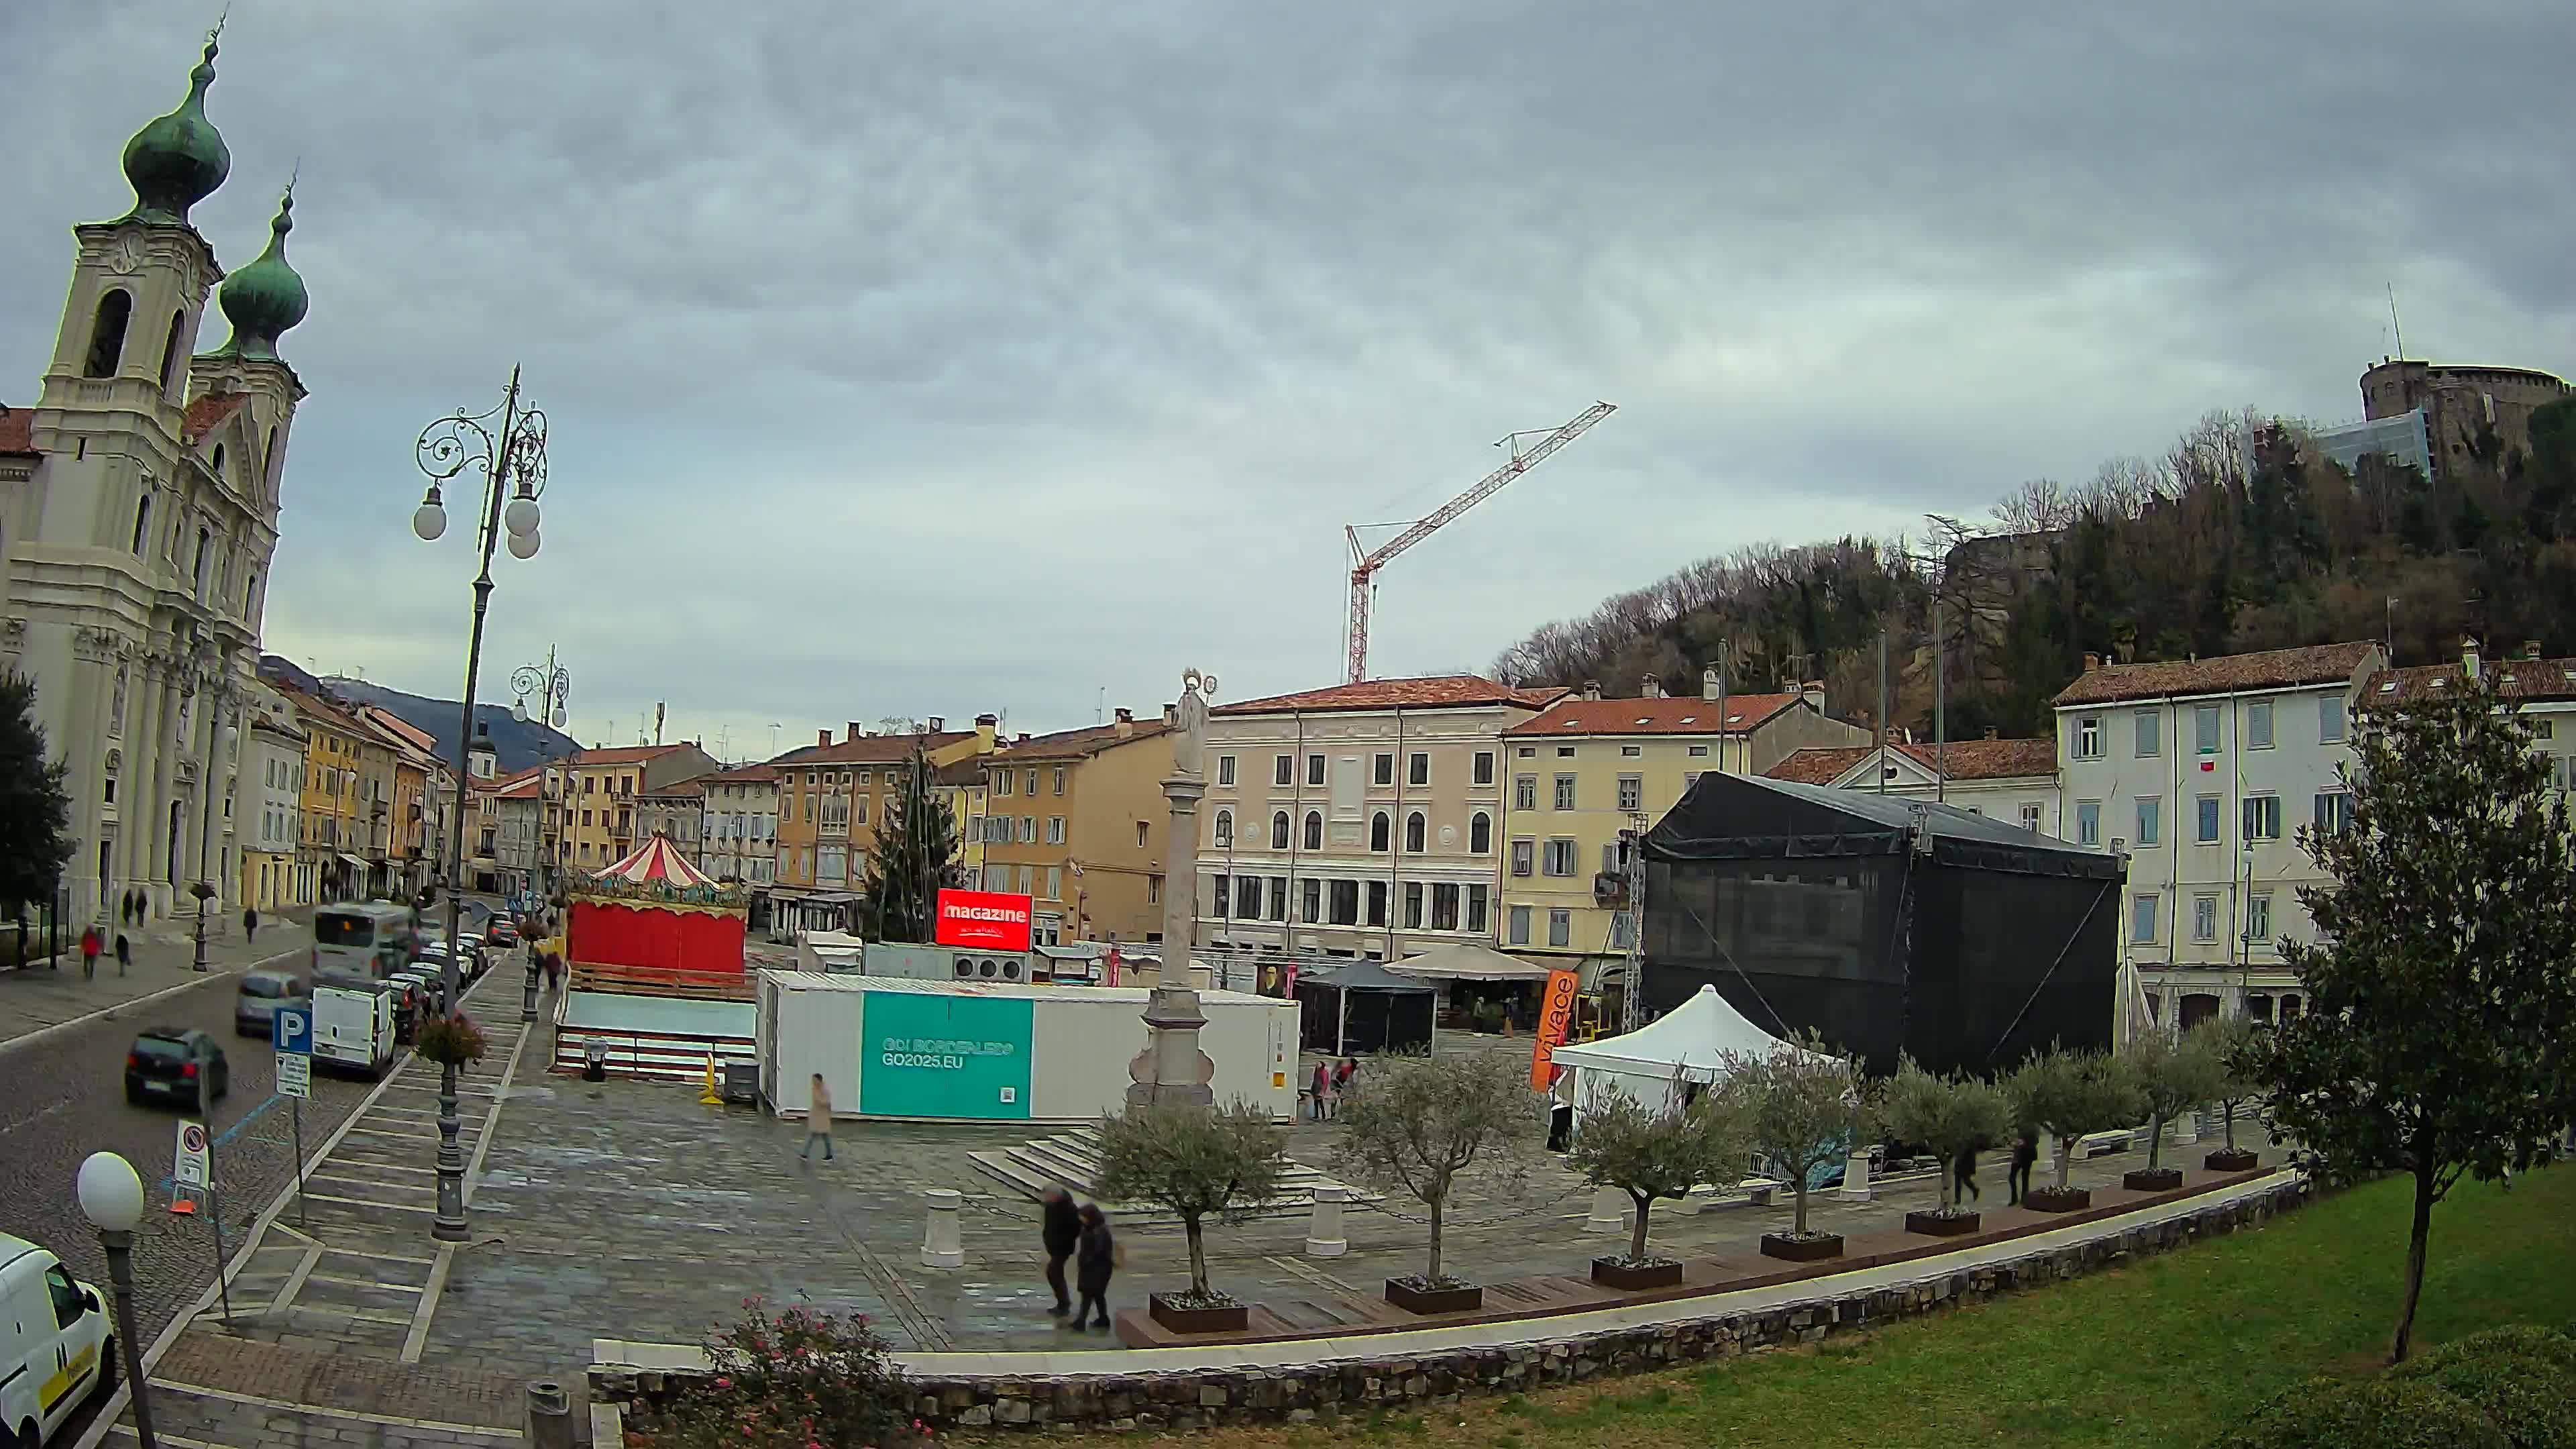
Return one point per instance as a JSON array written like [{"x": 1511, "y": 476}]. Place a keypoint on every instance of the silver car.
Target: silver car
[{"x": 260, "y": 995}]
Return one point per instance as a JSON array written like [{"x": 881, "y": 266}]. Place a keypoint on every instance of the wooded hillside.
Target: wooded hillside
[{"x": 2242, "y": 536}]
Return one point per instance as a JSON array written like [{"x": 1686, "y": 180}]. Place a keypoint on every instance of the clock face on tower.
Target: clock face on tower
[{"x": 126, "y": 258}]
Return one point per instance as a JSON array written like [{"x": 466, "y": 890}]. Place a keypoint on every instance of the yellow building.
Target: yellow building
[
  {"x": 329, "y": 861},
  {"x": 962, "y": 787},
  {"x": 831, "y": 799},
  {"x": 1583, "y": 772},
  {"x": 1076, "y": 820},
  {"x": 599, "y": 798}
]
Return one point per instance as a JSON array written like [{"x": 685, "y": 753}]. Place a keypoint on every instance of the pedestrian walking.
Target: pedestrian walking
[
  {"x": 1560, "y": 1112},
  {"x": 1344, "y": 1075},
  {"x": 1098, "y": 1252},
  {"x": 1963, "y": 1178},
  {"x": 89, "y": 951},
  {"x": 250, "y": 923},
  {"x": 818, "y": 1122},
  {"x": 554, "y": 972},
  {"x": 124, "y": 953},
  {"x": 1320, "y": 1091},
  {"x": 1060, "y": 1229},
  {"x": 2025, "y": 1153}
]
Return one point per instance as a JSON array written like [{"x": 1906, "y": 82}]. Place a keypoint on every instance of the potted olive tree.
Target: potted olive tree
[
  {"x": 1655, "y": 1153},
  {"x": 1425, "y": 1126},
  {"x": 2071, "y": 1094},
  {"x": 1804, "y": 1108},
  {"x": 2173, "y": 1075},
  {"x": 1952, "y": 1116},
  {"x": 2231, "y": 1042},
  {"x": 1195, "y": 1163}
]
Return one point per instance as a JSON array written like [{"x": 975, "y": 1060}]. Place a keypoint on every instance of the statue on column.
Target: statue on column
[
  {"x": 1172, "y": 1069},
  {"x": 1189, "y": 743}
]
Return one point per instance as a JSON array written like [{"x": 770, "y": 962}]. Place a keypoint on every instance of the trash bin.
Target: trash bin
[{"x": 741, "y": 1085}]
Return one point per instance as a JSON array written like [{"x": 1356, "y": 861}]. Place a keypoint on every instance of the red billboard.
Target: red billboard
[{"x": 983, "y": 920}]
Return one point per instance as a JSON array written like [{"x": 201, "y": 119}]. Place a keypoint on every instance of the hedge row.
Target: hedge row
[{"x": 2504, "y": 1388}]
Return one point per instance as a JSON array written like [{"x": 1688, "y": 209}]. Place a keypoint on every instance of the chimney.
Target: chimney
[
  {"x": 1813, "y": 692},
  {"x": 1652, "y": 687},
  {"x": 1171, "y": 714},
  {"x": 1990, "y": 732},
  {"x": 2092, "y": 662},
  {"x": 823, "y": 738},
  {"x": 1709, "y": 688},
  {"x": 2530, "y": 648},
  {"x": 1592, "y": 689},
  {"x": 1023, "y": 739},
  {"x": 987, "y": 726},
  {"x": 855, "y": 731},
  {"x": 939, "y": 724},
  {"x": 1126, "y": 723},
  {"x": 2469, "y": 655}
]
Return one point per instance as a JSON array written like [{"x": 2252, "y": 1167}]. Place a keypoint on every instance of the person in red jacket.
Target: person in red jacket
[{"x": 89, "y": 950}]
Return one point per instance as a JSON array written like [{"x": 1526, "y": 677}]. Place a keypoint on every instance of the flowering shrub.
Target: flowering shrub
[
  {"x": 801, "y": 1378},
  {"x": 450, "y": 1040}
]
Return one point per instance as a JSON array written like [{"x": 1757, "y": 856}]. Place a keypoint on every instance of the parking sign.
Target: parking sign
[
  {"x": 189, "y": 1167},
  {"x": 291, "y": 1027}
]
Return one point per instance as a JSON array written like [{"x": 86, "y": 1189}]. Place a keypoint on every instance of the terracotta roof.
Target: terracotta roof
[
  {"x": 1653, "y": 716},
  {"x": 744, "y": 775},
  {"x": 622, "y": 755},
  {"x": 2227, "y": 674},
  {"x": 208, "y": 413},
  {"x": 402, "y": 729},
  {"x": 17, "y": 431},
  {"x": 1080, "y": 744},
  {"x": 696, "y": 785},
  {"x": 1961, "y": 759},
  {"x": 321, "y": 709},
  {"x": 524, "y": 785},
  {"x": 1439, "y": 691},
  {"x": 966, "y": 772},
  {"x": 871, "y": 749},
  {"x": 2535, "y": 679}
]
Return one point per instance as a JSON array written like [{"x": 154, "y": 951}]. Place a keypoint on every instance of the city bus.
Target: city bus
[{"x": 367, "y": 939}]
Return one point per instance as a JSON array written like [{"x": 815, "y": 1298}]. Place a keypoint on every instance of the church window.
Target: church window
[
  {"x": 219, "y": 462},
  {"x": 170, "y": 349},
  {"x": 142, "y": 522},
  {"x": 205, "y": 551},
  {"x": 107, "y": 333}
]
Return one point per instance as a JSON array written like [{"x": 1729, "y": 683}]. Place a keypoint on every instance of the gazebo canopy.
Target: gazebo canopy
[
  {"x": 1468, "y": 961},
  {"x": 656, "y": 860},
  {"x": 1364, "y": 975}
]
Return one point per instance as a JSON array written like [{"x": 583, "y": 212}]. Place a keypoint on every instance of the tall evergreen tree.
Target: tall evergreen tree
[
  {"x": 35, "y": 812},
  {"x": 2440, "y": 1035},
  {"x": 915, "y": 858}
]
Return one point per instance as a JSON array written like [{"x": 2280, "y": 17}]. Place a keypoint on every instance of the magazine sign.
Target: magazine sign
[{"x": 983, "y": 920}]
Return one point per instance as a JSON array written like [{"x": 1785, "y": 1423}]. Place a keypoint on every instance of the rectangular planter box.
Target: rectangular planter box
[
  {"x": 2152, "y": 1179},
  {"x": 2057, "y": 1200},
  {"x": 1434, "y": 1300},
  {"x": 2239, "y": 1160},
  {"x": 1793, "y": 1250},
  {"x": 1611, "y": 1273},
  {"x": 1234, "y": 1318},
  {"x": 1933, "y": 1225}
]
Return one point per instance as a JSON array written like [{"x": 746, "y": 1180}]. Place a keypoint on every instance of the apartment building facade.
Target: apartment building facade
[
  {"x": 2013, "y": 780},
  {"x": 2542, "y": 691},
  {"x": 2202, "y": 771},
  {"x": 340, "y": 756},
  {"x": 1076, "y": 820},
  {"x": 741, "y": 829},
  {"x": 269, "y": 802},
  {"x": 1360, "y": 820},
  {"x": 962, "y": 787},
  {"x": 1586, "y": 773},
  {"x": 677, "y": 812},
  {"x": 598, "y": 805},
  {"x": 832, "y": 797}
]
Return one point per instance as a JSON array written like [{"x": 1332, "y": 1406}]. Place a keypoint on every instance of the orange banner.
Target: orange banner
[{"x": 1555, "y": 1017}]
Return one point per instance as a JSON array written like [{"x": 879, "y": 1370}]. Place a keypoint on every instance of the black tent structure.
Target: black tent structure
[
  {"x": 1363, "y": 1007},
  {"x": 1884, "y": 924}
]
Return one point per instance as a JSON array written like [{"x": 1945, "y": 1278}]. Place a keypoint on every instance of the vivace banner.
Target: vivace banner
[
  {"x": 982, "y": 921},
  {"x": 1555, "y": 1018}
]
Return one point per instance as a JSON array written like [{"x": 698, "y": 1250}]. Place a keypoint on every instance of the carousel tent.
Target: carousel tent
[
  {"x": 1685, "y": 1046},
  {"x": 655, "y": 913},
  {"x": 1363, "y": 1007},
  {"x": 656, "y": 860},
  {"x": 1468, "y": 961}
]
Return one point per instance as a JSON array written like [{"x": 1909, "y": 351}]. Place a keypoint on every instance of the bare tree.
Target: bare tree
[{"x": 1425, "y": 1125}]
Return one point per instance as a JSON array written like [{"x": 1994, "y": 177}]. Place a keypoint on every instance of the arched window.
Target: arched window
[
  {"x": 1279, "y": 831},
  {"x": 1378, "y": 831},
  {"x": 268, "y": 462},
  {"x": 1314, "y": 830},
  {"x": 1480, "y": 833},
  {"x": 1413, "y": 832},
  {"x": 142, "y": 522},
  {"x": 219, "y": 463},
  {"x": 205, "y": 551},
  {"x": 107, "y": 333},
  {"x": 1225, "y": 829},
  {"x": 250, "y": 596},
  {"x": 170, "y": 349}
]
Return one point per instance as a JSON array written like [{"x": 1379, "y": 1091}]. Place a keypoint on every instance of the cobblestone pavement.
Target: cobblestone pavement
[{"x": 629, "y": 1210}]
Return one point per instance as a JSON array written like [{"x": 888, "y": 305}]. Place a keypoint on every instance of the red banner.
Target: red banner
[
  {"x": 1555, "y": 1017},
  {"x": 983, "y": 921}
]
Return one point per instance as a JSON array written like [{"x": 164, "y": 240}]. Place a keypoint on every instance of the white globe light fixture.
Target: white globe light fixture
[
  {"x": 519, "y": 711},
  {"x": 521, "y": 516},
  {"x": 523, "y": 545},
  {"x": 430, "y": 519},
  {"x": 111, "y": 1196}
]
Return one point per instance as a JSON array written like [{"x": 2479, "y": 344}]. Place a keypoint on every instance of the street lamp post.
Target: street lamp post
[
  {"x": 511, "y": 455},
  {"x": 111, "y": 1197}
]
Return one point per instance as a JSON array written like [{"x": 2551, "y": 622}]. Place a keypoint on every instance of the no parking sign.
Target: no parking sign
[{"x": 188, "y": 1168}]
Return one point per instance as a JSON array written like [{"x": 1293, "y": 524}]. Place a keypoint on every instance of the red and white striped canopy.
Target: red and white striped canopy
[{"x": 656, "y": 860}]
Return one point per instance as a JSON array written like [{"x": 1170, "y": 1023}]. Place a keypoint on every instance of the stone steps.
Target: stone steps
[{"x": 1072, "y": 1160}]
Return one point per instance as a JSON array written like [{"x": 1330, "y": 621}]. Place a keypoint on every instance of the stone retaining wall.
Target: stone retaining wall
[{"x": 1325, "y": 1391}]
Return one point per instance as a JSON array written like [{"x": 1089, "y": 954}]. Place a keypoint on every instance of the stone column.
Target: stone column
[
  {"x": 1324, "y": 1230},
  {"x": 941, "y": 1245},
  {"x": 1855, "y": 1186},
  {"x": 1181, "y": 877}
]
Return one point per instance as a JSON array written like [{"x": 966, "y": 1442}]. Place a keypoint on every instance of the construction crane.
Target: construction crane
[{"x": 1366, "y": 562}]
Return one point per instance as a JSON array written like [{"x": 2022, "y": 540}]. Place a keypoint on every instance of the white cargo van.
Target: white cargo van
[
  {"x": 56, "y": 1348},
  {"x": 353, "y": 1025}
]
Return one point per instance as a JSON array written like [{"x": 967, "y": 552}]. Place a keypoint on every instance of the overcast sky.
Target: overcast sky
[{"x": 914, "y": 359}]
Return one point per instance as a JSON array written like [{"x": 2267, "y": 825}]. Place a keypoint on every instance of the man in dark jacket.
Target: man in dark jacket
[
  {"x": 1099, "y": 1259},
  {"x": 1059, "y": 1227}
]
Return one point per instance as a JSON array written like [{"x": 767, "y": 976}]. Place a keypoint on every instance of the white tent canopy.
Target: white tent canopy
[
  {"x": 1684, "y": 1045},
  {"x": 1467, "y": 961}
]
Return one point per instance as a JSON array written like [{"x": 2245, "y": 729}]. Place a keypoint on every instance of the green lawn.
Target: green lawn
[{"x": 2163, "y": 1352}]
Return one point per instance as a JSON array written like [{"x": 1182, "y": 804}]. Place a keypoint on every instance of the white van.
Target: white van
[
  {"x": 353, "y": 1025},
  {"x": 56, "y": 1347}
]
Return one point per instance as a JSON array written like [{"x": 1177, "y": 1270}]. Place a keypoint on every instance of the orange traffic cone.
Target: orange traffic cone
[{"x": 181, "y": 1203}]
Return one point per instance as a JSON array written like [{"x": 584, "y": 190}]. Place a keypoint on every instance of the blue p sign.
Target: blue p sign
[{"x": 292, "y": 1027}]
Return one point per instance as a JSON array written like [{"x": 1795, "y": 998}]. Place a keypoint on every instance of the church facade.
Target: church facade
[{"x": 139, "y": 503}]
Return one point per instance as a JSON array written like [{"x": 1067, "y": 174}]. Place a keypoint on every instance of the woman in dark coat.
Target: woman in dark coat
[{"x": 1096, "y": 1256}]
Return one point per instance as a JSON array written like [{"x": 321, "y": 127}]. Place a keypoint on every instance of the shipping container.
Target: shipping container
[{"x": 997, "y": 1051}]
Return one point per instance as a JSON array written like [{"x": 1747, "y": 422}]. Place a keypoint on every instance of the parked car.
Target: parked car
[
  {"x": 260, "y": 995},
  {"x": 176, "y": 1064},
  {"x": 426, "y": 988},
  {"x": 503, "y": 934},
  {"x": 475, "y": 961},
  {"x": 57, "y": 1348}
]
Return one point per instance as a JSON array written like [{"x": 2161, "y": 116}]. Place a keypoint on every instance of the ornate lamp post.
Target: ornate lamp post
[
  {"x": 508, "y": 444},
  {"x": 111, "y": 1197}
]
